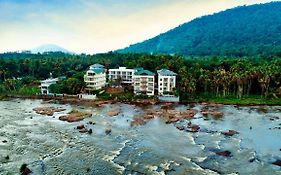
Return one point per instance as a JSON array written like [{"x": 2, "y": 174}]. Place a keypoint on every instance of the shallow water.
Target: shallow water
[{"x": 50, "y": 146}]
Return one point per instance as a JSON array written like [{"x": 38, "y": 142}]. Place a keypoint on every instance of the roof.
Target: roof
[
  {"x": 138, "y": 68},
  {"x": 94, "y": 66},
  {"x": 144, "y": 72},
  {"x": 97, "y": 70},
  {"x": 166, "y": 72}
]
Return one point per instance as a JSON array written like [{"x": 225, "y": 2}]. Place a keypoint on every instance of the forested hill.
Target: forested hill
[{"x": 242, "y": 31}]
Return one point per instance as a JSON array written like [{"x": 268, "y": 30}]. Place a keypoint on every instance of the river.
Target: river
[{"x": 50, "y": 146}]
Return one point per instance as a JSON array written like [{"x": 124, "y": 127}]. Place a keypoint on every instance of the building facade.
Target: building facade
[
  {"x": 166, "y": 81},
  {"x": 95, "y": 77},
  {"x": 143, "y": 82},
  {"x": 45, "y": 84},
  {"x": 125, "y": 75}
]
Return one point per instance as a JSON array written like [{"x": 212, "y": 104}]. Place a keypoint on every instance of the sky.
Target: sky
[{"x": 96, "y": 26}]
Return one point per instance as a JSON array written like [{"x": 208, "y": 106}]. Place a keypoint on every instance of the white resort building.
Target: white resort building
[
  {"x": 126, "y": 75},
  {"x": 45, "y": 84},
  {"x": 143, "y": 82},
  {"x": 166, "y": 81},
  {"x": 95, "y": 77}
]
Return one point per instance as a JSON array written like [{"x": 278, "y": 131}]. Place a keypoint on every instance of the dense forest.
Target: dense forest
[
  {"x": 242, "y": 31},
  {"x": 197, "y": 76}
]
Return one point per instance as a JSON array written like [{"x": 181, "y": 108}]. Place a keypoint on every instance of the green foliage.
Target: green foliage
[
  {"x": 242, "y": 31},
  {"x": 220, "y": 77}
]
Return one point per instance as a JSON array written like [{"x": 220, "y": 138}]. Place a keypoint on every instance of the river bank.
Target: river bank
[{"x": 199, "y": 100}]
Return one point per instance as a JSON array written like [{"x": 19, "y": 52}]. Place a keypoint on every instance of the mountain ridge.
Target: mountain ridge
[
  {"x": 49, "y": 48},
  {"x": 241, "y": 31}
]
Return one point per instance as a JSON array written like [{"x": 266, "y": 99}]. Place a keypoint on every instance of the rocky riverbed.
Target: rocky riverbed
[{"x": 128, "y": 139}]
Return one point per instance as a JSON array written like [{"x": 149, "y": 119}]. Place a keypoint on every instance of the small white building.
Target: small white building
[
  {"x": 45, "y": 84},
  {"x": 126, "y": 75},
  {"x": 95, "y": 77},
  {"x": 166, "y": 81},
  {"x": 143, "y": 82}
]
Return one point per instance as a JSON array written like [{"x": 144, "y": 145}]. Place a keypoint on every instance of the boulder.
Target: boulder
[
  {"x": 180, "y": 128},
  {"x": 224, "y": 153},
  {"x": 207, "y": 112},
  {"x": 138, "y": 121},
  {"x": 277, "y": 162},
  {"x": 90, "y": 131},
  {"x": 24, "y": 170},
  {"x": 108, "y": 131},
  {"x": 80, "y": 127},
  {"x": 113, "y": 113},
  {"x": 193, "y": 128},
  {"x": 75, "y": 116},
  {"x": 83, "y": 130},
  {"x": 47, "y": 110},
  {"x": 230, "y": 133}
]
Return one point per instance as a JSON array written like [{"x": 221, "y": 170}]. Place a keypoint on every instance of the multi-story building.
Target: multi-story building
[
  {"x": 143, "y": 82},
  {"x": 122, "y": 73},
  {"x": 166, "y": 81},
  {"x": 45, "y": 84},
  {"x": 95, "y": 77}
]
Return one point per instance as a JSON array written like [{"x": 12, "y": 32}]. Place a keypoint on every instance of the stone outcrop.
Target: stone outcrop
[
  {"x": 113, "y": 113},
  {"x": 224, "y": 153},
  {"x": 75, "y": 116},
  {"x": 47, "y": 110},
  {"x": 214, "y": 113},
  {"x": 24, "y": 170},
  {"x": 277, "y": 162},
  {"x": 230, "y": 133}
]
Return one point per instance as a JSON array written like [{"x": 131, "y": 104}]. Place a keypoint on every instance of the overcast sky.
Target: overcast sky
[{"x": 94, "y": 26}]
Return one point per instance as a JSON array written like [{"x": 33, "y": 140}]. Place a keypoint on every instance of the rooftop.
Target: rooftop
[
  {"x": 95, "y": 66},
  {"x": 166, "y": 72},
  {"x": 144, "y": 72},
  {"x": 97, "y": 70}
]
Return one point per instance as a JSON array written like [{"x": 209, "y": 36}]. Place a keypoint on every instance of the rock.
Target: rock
[
  {"x": 24, "y": 170},
  {"x": 80, "y": 127},
  {"x": 251, "y": 127},
  {"x": 108, "y": 131},
  {"x": 272, "y": 118},
  {"x": 7, "y": 157},
  {"x": 180, "y": 128},
  {"x": 224, "y": 153},
  {"x": 168, "y": 106},
  {"x": 230, "y": 133},
  {"x": 277, "y": 162},
  {"x": 113, "y": 113},
  {"x": 206, "y": 112},
  {"x": 4, "y": 141},
  {"x": 75, "y": 116},
  {"x": 193, "y": 128},
  {"x": 83, "y": 130},
  {"x": 47, "y": 110},
  {"x": 172, "y": 120},
  {"x": 262, "y": 109},
  {"x": 138, "y": 121},
  {"x": 90, "y": 131},
  {"x": 252, "y": 160}
]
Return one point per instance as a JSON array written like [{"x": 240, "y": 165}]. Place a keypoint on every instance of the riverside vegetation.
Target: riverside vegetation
[{"x": 228, "y": 80}]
